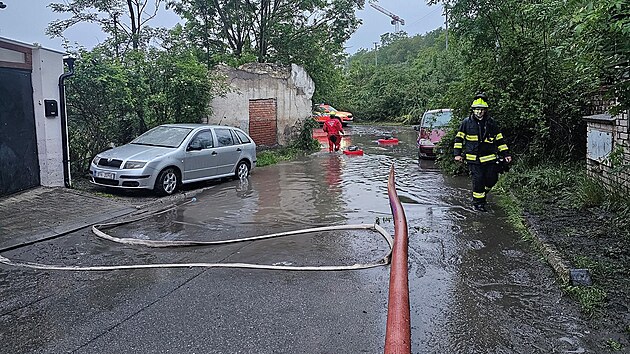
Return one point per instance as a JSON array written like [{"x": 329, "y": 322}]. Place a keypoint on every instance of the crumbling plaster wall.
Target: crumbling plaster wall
[{"x": 292, "y": 88}]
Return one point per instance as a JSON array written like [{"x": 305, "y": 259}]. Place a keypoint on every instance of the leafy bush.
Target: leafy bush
[
  {"x": 303, "y": 144},
  {"x": 305, "y": 141},
  {"x": 111, "y": 101}
]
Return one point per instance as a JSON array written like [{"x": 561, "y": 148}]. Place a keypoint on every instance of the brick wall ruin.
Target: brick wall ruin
[
  {"x": 608, "y": 150},
  {"x": 250, "y": 85},
  {"x": 263, "y": 121}
]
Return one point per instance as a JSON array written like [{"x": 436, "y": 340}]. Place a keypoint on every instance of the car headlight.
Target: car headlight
[
  {"x": 134, "y": 164},
  {"x": 95, "y": 160}
]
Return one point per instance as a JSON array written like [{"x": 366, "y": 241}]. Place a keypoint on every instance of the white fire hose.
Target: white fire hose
[{"x": 96, "y": 229}]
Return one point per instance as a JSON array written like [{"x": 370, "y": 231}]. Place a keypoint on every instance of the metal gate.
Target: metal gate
[{"x": 19, "y": 165}]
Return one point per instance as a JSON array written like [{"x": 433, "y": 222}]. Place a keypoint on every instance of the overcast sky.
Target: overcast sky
[{"x": 26, "y": 21}]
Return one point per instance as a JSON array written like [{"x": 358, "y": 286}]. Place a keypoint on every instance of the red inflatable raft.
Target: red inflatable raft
[
  {"x": 355, "y": 152},
  {"x": 388, "y": 141}
]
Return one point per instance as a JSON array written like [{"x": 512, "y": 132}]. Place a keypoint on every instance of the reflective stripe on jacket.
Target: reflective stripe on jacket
[{"x": 480, "y": 142}]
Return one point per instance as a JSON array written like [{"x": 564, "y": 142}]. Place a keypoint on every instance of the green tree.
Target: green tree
[
  {"x": 602, "y": 38},
  {"x": 112, "y": 101},
  {"x": 411, "y": 75},
  {"x": 519, "y": 53},
  {"x": 124, "y": 20},
  {"x": 309, "y": 33},
  {"x": 271, "y": 30}
]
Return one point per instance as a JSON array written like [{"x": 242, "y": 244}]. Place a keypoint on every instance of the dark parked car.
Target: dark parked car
[
  {"x": 431, "y": 131},
  {"x": 169, "y": 155}
]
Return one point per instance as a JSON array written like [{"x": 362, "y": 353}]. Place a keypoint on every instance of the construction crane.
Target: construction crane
[{"x": 396, "y": 20}]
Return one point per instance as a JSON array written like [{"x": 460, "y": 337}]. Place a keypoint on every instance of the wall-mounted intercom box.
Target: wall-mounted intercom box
[{"x": 51, "y": 109}]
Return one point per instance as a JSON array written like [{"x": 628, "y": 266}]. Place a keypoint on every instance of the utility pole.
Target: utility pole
[
  {"x": 446, "y": 23},
  {"x": 375, "y": 54},
  {"x": 115, "y": 15}
]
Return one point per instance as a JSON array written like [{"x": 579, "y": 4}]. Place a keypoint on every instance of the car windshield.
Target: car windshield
[
  {"x": 163, "y": 136},
  {"x": 437, "y": 119},
  {"x": 332, "y": 109}
]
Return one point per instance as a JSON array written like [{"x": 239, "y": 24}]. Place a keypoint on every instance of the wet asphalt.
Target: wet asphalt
[{"x": 475, "y": 287}]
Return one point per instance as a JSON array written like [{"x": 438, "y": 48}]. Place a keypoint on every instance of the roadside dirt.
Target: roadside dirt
[{"x": 599, "y": 241}]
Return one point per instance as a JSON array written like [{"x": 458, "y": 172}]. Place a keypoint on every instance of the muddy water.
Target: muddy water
[{"x": 474, "y": 286}]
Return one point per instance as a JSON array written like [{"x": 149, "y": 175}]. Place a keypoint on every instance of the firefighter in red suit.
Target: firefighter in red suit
[{"x": 334, "y": 129}]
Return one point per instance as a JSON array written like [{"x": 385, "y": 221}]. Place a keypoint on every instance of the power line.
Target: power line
[{"x": 418, "y": 20}]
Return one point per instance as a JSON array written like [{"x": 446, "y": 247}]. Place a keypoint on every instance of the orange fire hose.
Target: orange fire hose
[{"x": 398, "y": 331}]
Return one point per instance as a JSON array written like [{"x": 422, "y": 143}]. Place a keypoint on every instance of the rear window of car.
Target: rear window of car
[
  {"x": 244, "y": 138},
  {"x": 437, "y": 119},
  {"x": 163, "y": 136}
]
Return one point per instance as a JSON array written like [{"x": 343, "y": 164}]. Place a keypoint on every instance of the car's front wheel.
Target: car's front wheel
[
  {"x": 167, "y": 182},
  {"x": 242, "y": 170}
]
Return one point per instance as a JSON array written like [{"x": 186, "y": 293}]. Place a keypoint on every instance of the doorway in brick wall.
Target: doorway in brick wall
[{"x": 263, "y": 121}]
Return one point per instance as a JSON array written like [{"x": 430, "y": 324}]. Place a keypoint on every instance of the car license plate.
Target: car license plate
[{"x": 107, "y": 175}]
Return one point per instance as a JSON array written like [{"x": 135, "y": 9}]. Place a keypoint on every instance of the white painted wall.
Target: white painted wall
[
  {"x": 292, "y": 88},
  {"x": 47, "y": 67}
]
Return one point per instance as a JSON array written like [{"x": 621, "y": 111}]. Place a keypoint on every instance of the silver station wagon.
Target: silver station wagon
[{"x": 169, "y": 155}]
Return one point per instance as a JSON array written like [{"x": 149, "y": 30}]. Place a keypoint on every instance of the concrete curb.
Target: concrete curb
[
  {"x": 567, "y": 275},
  {"x": 550, "y": 254}
]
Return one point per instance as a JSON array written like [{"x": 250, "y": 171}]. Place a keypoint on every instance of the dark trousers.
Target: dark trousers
[{"x": 484, "y": 177}]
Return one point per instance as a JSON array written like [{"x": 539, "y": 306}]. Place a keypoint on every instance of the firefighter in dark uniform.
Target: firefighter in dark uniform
[{"x": 480, "y": 143}]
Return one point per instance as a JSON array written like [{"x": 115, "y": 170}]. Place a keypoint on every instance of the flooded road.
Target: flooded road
[{"x": 475, "y": 287}]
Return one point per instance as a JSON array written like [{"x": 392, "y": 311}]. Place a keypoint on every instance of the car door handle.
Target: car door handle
[
  {"x": 214, "y": 153},
  {"x": 239, "y": 150}
]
